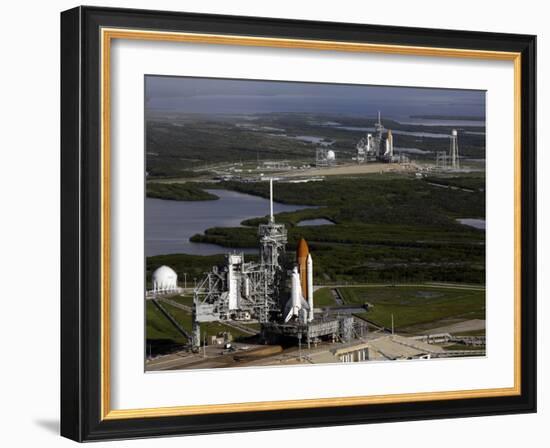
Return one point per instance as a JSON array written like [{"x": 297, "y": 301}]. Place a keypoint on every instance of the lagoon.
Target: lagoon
[
  {"x": 170, "y": 224},
  {"x": 315, "y": 222},
  {"x": 472, "y": 222}
]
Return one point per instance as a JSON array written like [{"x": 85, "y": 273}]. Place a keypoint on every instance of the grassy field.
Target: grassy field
[
  {"x": 411, "y": 306},
  {"x": 158, "y": 327},
  {"x": 183, "y": 299},
  {"x": 323, "y": 297},
  {"x": 161, "y": 335}
]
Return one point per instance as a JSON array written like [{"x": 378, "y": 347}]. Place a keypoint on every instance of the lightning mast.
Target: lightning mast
[
  {"x": 271, "y": 200},
  {"x": 379, "y": 128}
]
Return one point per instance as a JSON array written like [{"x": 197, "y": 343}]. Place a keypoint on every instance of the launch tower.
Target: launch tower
[
  {"x": 379, "y": 129},
  {"x": 273, "y": 240}
]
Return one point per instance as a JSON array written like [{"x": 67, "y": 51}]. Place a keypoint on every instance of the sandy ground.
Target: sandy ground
[
  {"x": 339, "y": 170},
  {"x": 347, "y": 170},
  {"x": 213, "y": 356}
]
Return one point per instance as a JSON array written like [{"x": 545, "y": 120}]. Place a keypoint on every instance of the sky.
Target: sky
[{"x": 228, "y": 96}]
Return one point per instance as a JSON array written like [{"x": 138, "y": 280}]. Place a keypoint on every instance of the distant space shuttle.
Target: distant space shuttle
[{"x": 389, "y": 144}]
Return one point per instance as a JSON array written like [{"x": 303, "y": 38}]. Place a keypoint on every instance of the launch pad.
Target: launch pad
[
  {"x": 275, "y": 292},
  {"x": 373, "y": 148}
]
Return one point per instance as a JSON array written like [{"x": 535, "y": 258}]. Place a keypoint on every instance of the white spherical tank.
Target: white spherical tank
[
  {"x": 454, "y": 133},
  {"x": 164, "y": 279},
  {"x": 331, "y": 155}
]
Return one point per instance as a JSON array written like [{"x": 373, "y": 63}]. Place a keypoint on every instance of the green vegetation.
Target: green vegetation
[
  {"x": 184, "y": 318},
  {"x": 162, "y": 336},
  {"x": 387, "y": 228},
  {"x": 412, "y": 305},
  {"x": 451, "y": 117},
  {"x": 375, "y": 198},
  {"x": 182, "y": 173},
  {"x": 211, "y": 328},
  {"x": 229, "y": 236},
  {"x": 323, "y": 297},
  {"x": 183, "y": 299},
  {"x": 179, "y": 143},
  {"x": 159, "y": 328},
  {"x": 181, "y": 316},
  {"x": 475, "y": 181},
  {"x": 178, "y": 192}
]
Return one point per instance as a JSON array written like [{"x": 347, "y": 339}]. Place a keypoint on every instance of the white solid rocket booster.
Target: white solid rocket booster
[
  {"x": 310, "y": 286},
  {"x": 233, "y": 281}
]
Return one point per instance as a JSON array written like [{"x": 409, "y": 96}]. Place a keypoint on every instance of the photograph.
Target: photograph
[
  {"x": 274, "y": 223},
  {"x": 298, "y": 223}
]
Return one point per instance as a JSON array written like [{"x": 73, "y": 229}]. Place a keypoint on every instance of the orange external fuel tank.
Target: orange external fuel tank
[{"x": 302, "y": 252}]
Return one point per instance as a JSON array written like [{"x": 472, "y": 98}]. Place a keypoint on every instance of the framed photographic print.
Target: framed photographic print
[{"x": 277, "y": 224}]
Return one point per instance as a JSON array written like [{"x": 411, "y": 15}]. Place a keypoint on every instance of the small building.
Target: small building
[
  {"x": 386, "y": 347},
  {"x": 399, "y": 347}
]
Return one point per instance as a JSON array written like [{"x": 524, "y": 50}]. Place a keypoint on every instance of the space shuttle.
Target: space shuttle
[
  {"x": 296, "y": 305},
  {"x": 300, "y": 304},
  {"x": 389, "y": 144}
]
